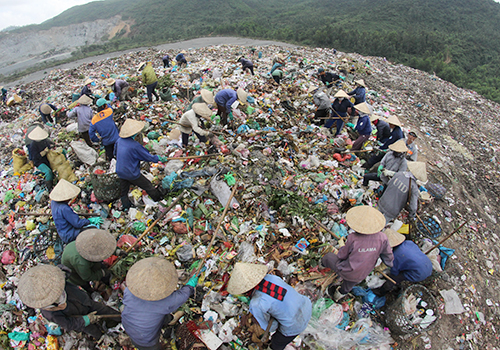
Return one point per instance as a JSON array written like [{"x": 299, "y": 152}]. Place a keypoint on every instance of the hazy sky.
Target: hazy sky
[{"x": 23, "y": 12}]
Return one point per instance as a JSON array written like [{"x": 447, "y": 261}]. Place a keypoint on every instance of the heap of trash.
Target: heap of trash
[{"x": 294, "y": 183}]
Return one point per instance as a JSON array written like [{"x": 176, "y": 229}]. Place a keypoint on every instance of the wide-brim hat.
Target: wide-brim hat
[
  {"x": 399, "y": 146},
  {"x": 395, "y": 238},
  {"x": 110, "y": 81},
  {"x": 88, "y": 81},
  {"x": 341, "y": 93},
  {"x": 84, "y": 100},
  {"x": 363, "y": 108},
  {"x": 152, "y": 279},
  {"x": 41, "y": 286},
  {"x": 174, "y": 134},
  {"x": 374, "y": 117},
  {"x": 393, "y": 120},
  {"x": 183, "y": 51},
  {"x": 365, "y": 219},
  {"x": 141, "y": 66},
  {"x": 131, "y": 127},
  {"x": 38, "y": 134},
  {"x": 312, "y": 88},
  {"x": 245, "y": 276},
  {"x": 242, "y": 95},
  {"x": 207, "y": 96},
  {"x": 418, "y": 169},
  {"x": 360, "y": 82},
  {"x": 95, "y": 245},
  {"x": 64, "y": 191},
  {"x": 202, "y": 110},
  {"x": 46, "y": 109}
]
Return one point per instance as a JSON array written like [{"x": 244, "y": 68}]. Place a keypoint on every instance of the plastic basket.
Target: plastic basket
[
  {"x": 436, "y": 190},
  {"x": 396, "y": 318},
  {"x": 106, "y": 186},
  {"x": 432, "y": 225}
]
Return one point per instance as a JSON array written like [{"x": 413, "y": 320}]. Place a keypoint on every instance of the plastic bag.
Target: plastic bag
[
  {"x": 246, "y": 253},
  {"x": 368, "y": 296},
  {"x": 84, "y": 152},
  {"x": 452, "y": 303},
  {"x": 321, "y": 305}
]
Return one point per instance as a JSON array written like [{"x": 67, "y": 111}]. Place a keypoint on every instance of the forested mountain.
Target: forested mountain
[{"x": 459, "y": 40}]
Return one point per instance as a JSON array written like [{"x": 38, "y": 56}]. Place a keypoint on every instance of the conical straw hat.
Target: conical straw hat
[
  {"x": 312, "y": 88},
  {"x": 393, "y": 120},
  {"x": 245, "y": 276},
  {"x": 399, "y": 146},
  {"x": 38, "y": 134},
  {"x": 360, "y": 82},
  {"x": 131, "y": 127},
  {"x": 242, "y": 95},
  {"x": 41, "y": 286},
  {"x": 418, "y": 169},
  {"x": 174, "y": 134},
  {"x": 366, "y": 220},
  {"x": 202, "y": 110},
  {"x": 84, "y": 100},
  {"x": 207, "y": 96},
  {"x": 363, "y": 108},
  {"x": 183, "y": 51},
  {"x": 88, "y": 81},
  {"x": 395, "y": 238},
  {"x": 152, "y": 279},
  {"x": 64, "y": 191},
  {"x": 110, "y": 81},
  {"x": 341, "y": 93},
  {"x": 95, "y": 245},
  {"x": 46, "y": 109},
  {"x": 374, "y": 117}
]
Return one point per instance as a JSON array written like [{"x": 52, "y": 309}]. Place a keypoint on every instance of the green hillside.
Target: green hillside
[{"x": 459, "y": 40}]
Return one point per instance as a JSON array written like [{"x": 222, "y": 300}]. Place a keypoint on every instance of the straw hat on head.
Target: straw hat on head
[
  {"x": 312, "y": 88},
  {"x": 360, "y": 82},
  {"x": 88, "y": 81},
  {"x": 207, "y": 96},
  {"x": 374, "y": 117},
  {"x": 131, "y": 127},
  {"x": 183, "y": 51},
  {"x": 152, "y": 279},
  {"x": 245, "y": 276},
  {"x": 38, "y": 134},
  {"x": 110, "y": 81},
  {"x": 41, "y": 286},
  {"x": 242, "y": 95},
  {"x": 64, "y": 191},
  {"x": 84, "y": 100},
  {"x": 174, "y": 134},
  {"x": 418, "y": 169},
  {"x": 399, "y": 146},
  {"x": 363, "y": 108},
  {"x": 46, "y": 109},
  {"x": 95, "y": 245},
  {"x": 341, "y": 93},
  {"x": 141, "y": 66},
  {"x": 1, "y": 87},
  {"x": 202, "y": 110},
  {"x": 393, "y": 120},
  {"x": 395, "y": 238},
  {"x": 366, "y": 220}
]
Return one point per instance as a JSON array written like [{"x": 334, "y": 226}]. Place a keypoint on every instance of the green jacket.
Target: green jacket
[
  {"x": 82, "y": 271},
  {"x": 149, "y": 75}
]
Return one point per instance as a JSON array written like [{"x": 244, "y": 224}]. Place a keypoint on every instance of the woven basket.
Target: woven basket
[
  {"x": 396, "y": 318},
  {"x": 436, "y": 190},
  {"x": 106, "y": 186},
  {"x": 431, "y": 224}
]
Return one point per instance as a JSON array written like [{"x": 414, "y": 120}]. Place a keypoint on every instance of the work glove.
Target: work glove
[
  {"x": 351, "y": 125},
  {"x": 379, "y": 170},
  {"x": 90, "y": 318},
  {"x": 96, "y": 220},
  {"x": 44, "y": 152},
  {"x": 49, "y": 124},
  {"x": 380, "y": 268},
  {"x": 388, "y": 173},
  {"x": 162, "y": 159},
  {"x": 193, "y": 281}
]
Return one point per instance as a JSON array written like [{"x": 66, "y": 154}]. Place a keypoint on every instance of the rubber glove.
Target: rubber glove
[
  {"x": 49, "y": 124},
  {"x": 96, "y": 220},
  {"x": 379, "y": 170},
  {"x": 193, "y": 281},
  {"x": 388, "y": 173},
  {"x": 163, "y": 159},
  {"x": 231, "y": 116}
]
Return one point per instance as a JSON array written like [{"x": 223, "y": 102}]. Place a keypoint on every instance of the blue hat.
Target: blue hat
[
  {"x": 101, "y": 101},
  {"x": 320, "y": 70}
]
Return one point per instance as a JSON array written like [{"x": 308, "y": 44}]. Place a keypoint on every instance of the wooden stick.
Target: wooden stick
[
  {"x": 387, "y": 277},
  {"x": 101, "y": 316},
  {"x": 357, "y": 151},
  {"x": 47, "y": 214},
  {"x": 425, "y": 226},
  {"x": 215, "y": 233},
  {"x": 324, "y": 227},
  {"x": 446, "y": 238},
  {"x": 194, "y": 157},
  {"x": 268, "y": 329}
]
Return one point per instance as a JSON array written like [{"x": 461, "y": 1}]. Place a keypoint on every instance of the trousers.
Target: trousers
[{"x": 140, "y": 182}]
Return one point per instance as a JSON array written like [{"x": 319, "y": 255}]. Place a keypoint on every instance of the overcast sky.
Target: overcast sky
[{"x": 23, "y": 12}]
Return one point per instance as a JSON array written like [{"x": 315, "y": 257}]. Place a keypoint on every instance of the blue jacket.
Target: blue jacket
[
  {"x": 226, "y": 98},
  {"x": 363, "y": 126},
  {"x": 143, "y": 319},
  {"x": 86, "y": 91},
  {"x": 396, "y": 134},
  {"x": 341, "y": 107},
  {"x": 246, "y": 63},
  {"x": 34, "y": 149},
  {"x": 180, "y": 58},
  {"x": 328, "y": 78},
  {"x": 292, "y": 313},
  {"x": 410, "y": 261},
  {"x": 119, "y": 86},
  {"x": 68, "y": 223},
  {"x": 129, "y": 154},
  {"x": 383, "y": 131},
  {"x": 359, "y": 94},
  {"x": 103, "y": 124}
]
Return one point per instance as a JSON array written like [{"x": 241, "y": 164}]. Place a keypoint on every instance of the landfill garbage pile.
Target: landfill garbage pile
[{"x": 289, "y": 173}]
